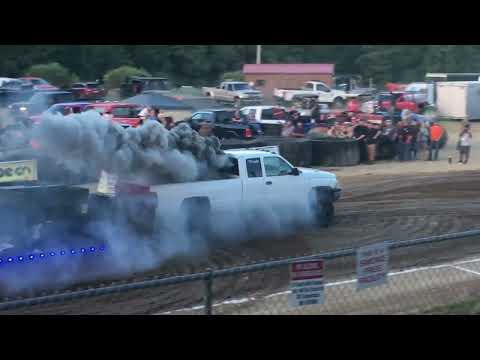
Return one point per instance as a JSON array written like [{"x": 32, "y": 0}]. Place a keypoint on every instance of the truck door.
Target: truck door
[
  {"x": 222, "y": 94},
  {"x": 283, "y": 188},
  {"x": 324, "y": 94},
  {"x": 254, "y": 183}
]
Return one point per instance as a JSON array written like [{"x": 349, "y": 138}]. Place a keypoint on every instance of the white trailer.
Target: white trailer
[{"x": 459, "y": 100}]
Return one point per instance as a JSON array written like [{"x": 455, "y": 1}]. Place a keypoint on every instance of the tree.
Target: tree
[
  {"x": 114, "y": 78},
  {"x": 54, "y": 73}
]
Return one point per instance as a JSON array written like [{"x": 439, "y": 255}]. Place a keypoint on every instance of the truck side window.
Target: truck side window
[
  {"x": 320, "y": 87},
  {"x": 267, "y": 114},
  {"x": 274, "y": 166},
  {"x": 254, "y": 168}
]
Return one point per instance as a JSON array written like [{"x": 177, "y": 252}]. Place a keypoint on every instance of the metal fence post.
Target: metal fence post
[{"x": 209, "y": 293}]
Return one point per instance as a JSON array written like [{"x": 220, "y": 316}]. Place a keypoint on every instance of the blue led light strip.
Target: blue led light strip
[{"x": 47, "y": 254}]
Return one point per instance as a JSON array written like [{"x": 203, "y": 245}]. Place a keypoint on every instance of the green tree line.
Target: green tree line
[{"x": 205, "y": 64}]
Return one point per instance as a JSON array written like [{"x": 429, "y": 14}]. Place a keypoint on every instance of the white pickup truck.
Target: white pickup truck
[
  {"x": 234, "y": 92},
  {"x": 324, "y": 94},
  {"x": 256, "y": 179}
]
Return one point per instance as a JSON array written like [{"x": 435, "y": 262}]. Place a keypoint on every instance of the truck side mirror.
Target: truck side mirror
[{"x": 295, "y": 172}]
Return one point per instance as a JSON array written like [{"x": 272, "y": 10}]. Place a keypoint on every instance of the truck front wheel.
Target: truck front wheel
[{"x": 321, "y": 201}]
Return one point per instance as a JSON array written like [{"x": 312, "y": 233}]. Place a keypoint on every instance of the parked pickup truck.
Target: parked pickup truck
[
  {"x": 255, "y": 179},
  {"x": 324, "y": 94},
  {"x": 234, "y": 92},
  {"x": 223, "y": 125},
  {"x": 267, "y": 115}
]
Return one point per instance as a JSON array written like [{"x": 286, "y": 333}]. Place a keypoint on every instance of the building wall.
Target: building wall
[{"x": 273, "y": 81}]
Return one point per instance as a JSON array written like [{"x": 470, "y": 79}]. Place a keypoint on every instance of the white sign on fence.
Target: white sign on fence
[
  {"x": 306, "y": 283},
  {"x": 372, "y": 266}
]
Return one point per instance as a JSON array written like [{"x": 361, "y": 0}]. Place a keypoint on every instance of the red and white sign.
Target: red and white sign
[
  {"x": 306, "y": 283},
  {"x": 372, "y": 266}
]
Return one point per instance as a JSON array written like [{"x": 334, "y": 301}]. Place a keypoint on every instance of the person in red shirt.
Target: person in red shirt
[{"x": 436, "y": 133}]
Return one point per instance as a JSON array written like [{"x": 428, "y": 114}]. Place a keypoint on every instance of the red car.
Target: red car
[
  {"x": 88, "y": 91},
  {"x": 127, "y": 115},
  {"x": 39, "y": 84}
]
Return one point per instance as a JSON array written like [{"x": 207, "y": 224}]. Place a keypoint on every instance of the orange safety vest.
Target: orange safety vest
[{"x": 436, "y": 132}]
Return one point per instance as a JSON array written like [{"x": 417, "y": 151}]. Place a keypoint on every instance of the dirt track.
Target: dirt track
[{"x": 374, "y": 208}]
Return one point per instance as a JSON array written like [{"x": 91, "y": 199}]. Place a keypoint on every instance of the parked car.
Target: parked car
[
  {"x": 88, "y": 91},
  {"x": 223, "y": 125},
  {"x": 270, "y": 115},
  {"x": 127, "y": 115},
  {"x": 234, "y": 92},
  {"x": 419, "y": 93},
  {"x": 14, "y": 90},
  {"x": 40, "y": 102},
  {"x": 324, "y": 94},
  {"x": 63, "y": 109},
  {"x": 39, "y": 84},
  {"x": 137, "y": 85}
]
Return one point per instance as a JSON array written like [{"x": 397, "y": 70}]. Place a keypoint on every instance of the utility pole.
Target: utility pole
[{"x": 259, "y": 54}]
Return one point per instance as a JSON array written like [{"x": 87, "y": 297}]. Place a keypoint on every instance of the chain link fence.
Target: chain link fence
[{"x": 417, "y": 283}]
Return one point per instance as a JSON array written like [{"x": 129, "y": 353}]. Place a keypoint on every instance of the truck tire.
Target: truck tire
[
  {"x": 322, "y": 207},
  {"x": 197, "y": 212}
]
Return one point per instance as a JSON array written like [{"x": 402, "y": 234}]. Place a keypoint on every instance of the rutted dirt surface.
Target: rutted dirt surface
[{"x": 374, "y": 208}]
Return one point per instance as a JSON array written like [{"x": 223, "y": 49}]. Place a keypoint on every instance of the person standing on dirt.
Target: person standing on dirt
[
  {"x": 413, "y": 130},
  {"x": 436, "y": 133},
  {"x": 372, "y": 141},
  {"x": 402, "y": 146},
  {"x": 360, "y": 133},
  {"x": 423, "y": 140},
  {"x": 316, "y": 113},
  {"x": 464, "y": 144}
]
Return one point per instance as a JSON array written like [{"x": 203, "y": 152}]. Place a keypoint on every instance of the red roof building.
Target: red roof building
[{"x": 267, "y": 77}]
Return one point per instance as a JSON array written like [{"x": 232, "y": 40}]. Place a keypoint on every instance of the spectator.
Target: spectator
[
  {"x": 372, "y": 141},
  {"x": 465, "y": 143},
  {"x": 316, "y": 115},
  {"x": 169, "y": 123},
  {"x": 412, "y": 135},
  {"x": 423, "y": 140},
  {"x": 360, "y": 133},
  {"x": 237, "y": 117},
  {"x": 387, "y": 140},
  {"x": 298, "y": 129},
  {"x": 144, "y": 113},
  {"x": 288, "y": 129},
  {"x": 436, "y": 133},
  {"x": 402, "y": 136}
]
